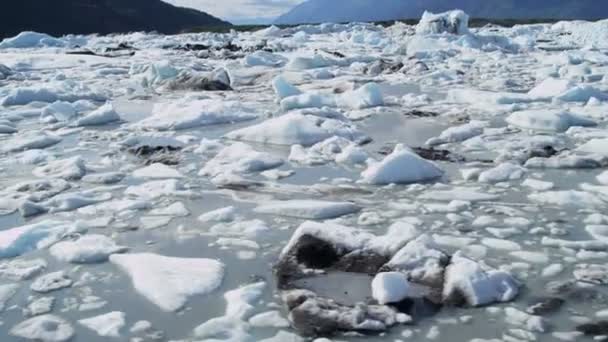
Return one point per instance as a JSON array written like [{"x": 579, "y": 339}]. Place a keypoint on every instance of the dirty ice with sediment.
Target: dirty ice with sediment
[{"x": 334, "y": 182}]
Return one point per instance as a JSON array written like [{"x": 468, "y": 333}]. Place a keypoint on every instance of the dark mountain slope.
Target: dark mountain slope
[
  {"x": 59, "y": 17},
  {"x": 317, "y": 11}
]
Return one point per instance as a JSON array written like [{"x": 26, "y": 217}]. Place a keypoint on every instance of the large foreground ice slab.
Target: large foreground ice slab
[{"x": 168, "y": 282}]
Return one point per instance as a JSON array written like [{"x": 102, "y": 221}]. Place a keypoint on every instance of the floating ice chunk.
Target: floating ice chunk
[
  {"x": 249, "y": 229},
  {"x": 308, "y": 209},
  {"x": 153, "y": 222},
  {"x": 232, "y": 326},
  {"x": 366, "y": 96},
  {"x": 595, "y": 146},
  {"x": 501, "y": 244},
  {"x": 51, "y": 282},
  {"x": 87, "y": 249},
  {"x": 30, "y": 141},
  {"x": 402, "y": 166},
  {"x": 7, "y": 129},
  {"x": 69, "y": 169},
  {"x": 535, "y": 257},
  {"x": 104, "y": 178},
  {"x": 158, "y": 171},
  {"x": 264, "y": 58},
  {"x": 159, "y": 188},
  {"x": 550, "y": 87},
  {"x": 315, "y": 62},
  {"x": 476, "y": 284},
  {"x": 226, "y": 214},
  {"x": 502, "y": 173},
  {"x": 101, "y": 116},
  {"x": 582, "y": 93},
  {"x": 459, "y": 133},
  {"x": 284, "y": 336},
  {"x": 269, "y": 319},
  {"x": 21, "y": 269},
  {"x": 75, "y": 200},
  {"x": 390, "y": 287},
  {"x": 568, "y": 198},
  {"x": 156, "y": 73},
  {"x": 107, "y": 325},
  {"x": 177, "y": 209},
  {"x": 239, "y": 158},
  {"x": 455, "y": 22},
  {"x": 284, "y": 89},
  {"x": 168, "y": 282},
  {"x": 591, "y": 245},
  {"x": 23, "y": 96},
  {"x": 538, "y": 184},
  {"x": 58, "y": 111},
  {"x": 185, "y": 114},
  {"x": 309, "y": 100},
  {"x": 529, "y": 322},
  {"x": 48, "y": 328},
  {"x": 547, "y": 120},
  {"x": 115, "y": 207},
  {"x": 459, "y": 193},
  {"x": 29, "y": 39},
  {"x": 599, "y": 232},
  {"x": 20, "y": 240},
  {"x": 7, "y": 291},
  {"x": 296, "y": 128}
]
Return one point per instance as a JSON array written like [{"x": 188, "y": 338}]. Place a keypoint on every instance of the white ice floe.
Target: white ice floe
[
  {"x": 185, "y": 114},
  {"x": 548, "y": 120},
  {"x": 29, "y": 141},
  {"x": 455, "y": 22},
  {"x": 269, "y": 319},
  {"x": 502, "y": 173},
  {"x": 308, "y": 209},
  {"x": 598, "y": 232},
  {"x": 248, "y": 229},
  {"x": 478, "y": 284},
  {"x": 232, "y": 326},
  {"x": 23, "y": 239},
  {"x": 567, "y": 198},
  {"x": 226, "y": 214},
  {"x": 366, "y": 96},
  {"x": 263, "y": 58},
  {"x": 296, "y": 128},
  {"x": 390, "y": 287},
  {"x": 595, "y": 146},
  {"x": 7, "y": 291},
  {"x": 106, "y": 325},
  {"x": 29, "y": 39},
  {"x": 101, "y": 116},
  {"x": 177, "y": 209},
  {"x": 168, "y": 282},
  {"x": 458, "y": 133},
  {"x": 21, "y": 269},
  {"x": 72, "y": 168},
  {"x": 87, "y": 249},
  {"x": 158, "y": 188},
  {"x": 157, "y": 171},
  {"x": 51, "y": 282},
  {"x": 550, "y": 87},
  {"x": 49, "y": 328},
  {"x": 284, "y": 89},
  {"x": 239, "y": 158},
  {"x": 522, "y": 319},
  {"x": 402, "y": 166}
]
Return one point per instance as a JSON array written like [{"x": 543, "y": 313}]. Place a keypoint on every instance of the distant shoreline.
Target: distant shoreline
[{"x": 473, "y": 22}]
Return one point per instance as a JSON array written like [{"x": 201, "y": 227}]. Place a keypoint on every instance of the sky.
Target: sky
[{"x": 241, "y": 11}]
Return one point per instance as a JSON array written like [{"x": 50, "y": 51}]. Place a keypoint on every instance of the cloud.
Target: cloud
[{"x": 234, "y": 9}]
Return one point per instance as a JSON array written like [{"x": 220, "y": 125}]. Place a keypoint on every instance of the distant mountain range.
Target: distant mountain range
[
  {"x": 58, "y": 17},
  {"x": 319, "y": 11}
]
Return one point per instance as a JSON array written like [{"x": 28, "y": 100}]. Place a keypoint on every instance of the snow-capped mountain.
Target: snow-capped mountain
[{"x": 317, "y": 11}]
